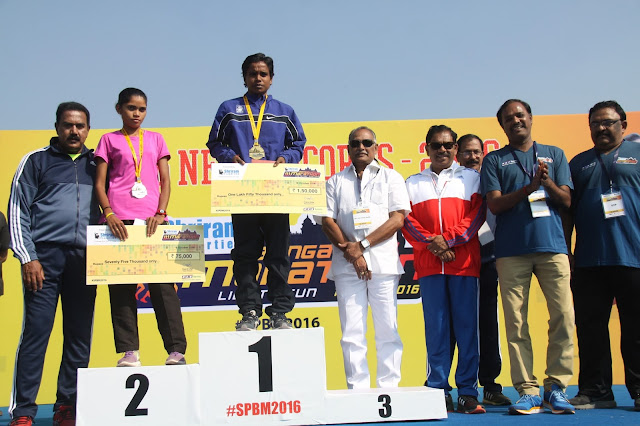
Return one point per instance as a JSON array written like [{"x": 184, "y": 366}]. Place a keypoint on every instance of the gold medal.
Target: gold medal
[{"x": 256, "y": 152}]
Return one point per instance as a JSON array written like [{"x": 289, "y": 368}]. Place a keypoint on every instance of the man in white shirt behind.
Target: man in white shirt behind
[{"x": 366, "y": 205}]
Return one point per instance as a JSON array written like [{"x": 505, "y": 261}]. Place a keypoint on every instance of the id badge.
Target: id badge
[
  {"x": 538, "y": 204},
  {"x": 138, "y": 190},
  {"x": 612, "y": 204},
  {"x": 485, "y": 236},
  {"x": 362, "y": 218}
]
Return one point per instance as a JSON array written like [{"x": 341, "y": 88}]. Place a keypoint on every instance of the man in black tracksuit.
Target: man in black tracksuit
[{"x": 51, "y": 203}]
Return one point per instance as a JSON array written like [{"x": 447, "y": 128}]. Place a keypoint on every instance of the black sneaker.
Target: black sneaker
[
  {"x": 249, "y": 322},
  {"x": 448, "y": 402},
  {"x": 585, "y": 402},
  {"x": 279, "y": 321},
  {"x": 636, "y": 404},
  {"x": 495, "y": 398},
  {"x": 468, "y": 404}
]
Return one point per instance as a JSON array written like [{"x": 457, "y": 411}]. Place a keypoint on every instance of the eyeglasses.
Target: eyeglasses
[
  {"x": 604, "y": 123},
  {"x": 367, "y": 143},
  {"x": 438, "y": 145},
  {"x": 470, "y": 152}
]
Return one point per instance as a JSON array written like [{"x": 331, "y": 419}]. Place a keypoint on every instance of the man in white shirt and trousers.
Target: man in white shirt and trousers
[{"x": 366, "y": 206}]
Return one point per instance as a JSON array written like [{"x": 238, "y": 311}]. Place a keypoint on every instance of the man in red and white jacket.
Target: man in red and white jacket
[{"x": 446, "y": 212}]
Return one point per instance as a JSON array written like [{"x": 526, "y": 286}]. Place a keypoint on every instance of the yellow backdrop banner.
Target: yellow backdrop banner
[{"x": 210, "y": 306}]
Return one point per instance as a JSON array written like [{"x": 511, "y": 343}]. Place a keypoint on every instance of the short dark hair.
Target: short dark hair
[
  {"x": 257, "y": 57},
  {"x": 467, "y": 138},
  {"x": 357, "y": 129},
  {"x": 439, "y": 128},
  {"x": 72, "y": 106},
  {"x": 506, "y": 104},
  {"x": 608, "y": 104},
  {"x": 126, "y": 95}
]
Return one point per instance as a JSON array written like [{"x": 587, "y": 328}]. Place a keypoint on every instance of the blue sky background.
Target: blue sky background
[{"x": 334, "y": 60}]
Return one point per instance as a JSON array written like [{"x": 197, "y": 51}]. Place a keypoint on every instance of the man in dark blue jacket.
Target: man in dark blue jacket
[
  {"x": 258, "y": 127},
  {"x": 52, "y": 201}
]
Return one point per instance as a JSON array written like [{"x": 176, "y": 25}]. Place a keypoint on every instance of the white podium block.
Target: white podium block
[
  {"x": 384, "y": 405},
  {"x": 263, "y": 377},
  {"x": 160, "y": 395}
]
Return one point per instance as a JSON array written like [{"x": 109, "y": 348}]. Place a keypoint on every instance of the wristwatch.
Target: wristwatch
[
  {"x": 365, "y": 243},
  {"x": 162, "y": 212}
]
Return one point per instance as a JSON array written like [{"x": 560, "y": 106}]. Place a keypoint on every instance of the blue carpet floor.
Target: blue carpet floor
[{"x": 623, "y": 415}]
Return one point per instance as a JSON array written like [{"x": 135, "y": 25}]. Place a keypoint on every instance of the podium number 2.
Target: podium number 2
[
  {"x": 132, "y": 409},
  {"x": 265, "y": 374},
  {"x": 385, "y": 411}
]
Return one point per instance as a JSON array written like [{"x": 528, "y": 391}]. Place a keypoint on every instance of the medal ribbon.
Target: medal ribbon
[
  {"x": 137, "y": 164},
  {"x": 255, "y": 128},
  {"x": 611, "y": 175}
]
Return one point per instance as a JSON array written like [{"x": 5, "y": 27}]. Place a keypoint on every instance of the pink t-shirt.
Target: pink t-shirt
[{"x": 114, "y": 150}]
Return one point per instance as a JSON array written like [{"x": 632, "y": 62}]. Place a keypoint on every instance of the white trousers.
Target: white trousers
[{"x": 354, "y": 297}]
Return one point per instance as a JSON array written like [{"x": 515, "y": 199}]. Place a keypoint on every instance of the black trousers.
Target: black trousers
[
  {"x": 65, "y": 277},
  {"x": 490, "y": 359},
  {"x": 594, "y": 290},
  {"x": 124, "y": 315},
  {"x": 251, "y": 233}
]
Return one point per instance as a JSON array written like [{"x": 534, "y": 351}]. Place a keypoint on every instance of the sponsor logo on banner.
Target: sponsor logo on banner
[
  {"x": 218, "y": 232},
  {"x": 310, "y": 253}
]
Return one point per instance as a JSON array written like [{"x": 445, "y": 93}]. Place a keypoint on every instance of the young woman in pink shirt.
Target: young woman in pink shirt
[{"x": 132, "y": 182}]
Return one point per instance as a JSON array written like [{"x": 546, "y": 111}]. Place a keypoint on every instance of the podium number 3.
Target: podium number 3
[
  {"x": 265, "y": 373},
  {"x": 132, "y": 409},
  {"x": 385, "y": 411}
]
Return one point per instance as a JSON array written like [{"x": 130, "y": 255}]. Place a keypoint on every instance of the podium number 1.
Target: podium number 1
[
  {"x": 132, "y": 409},
  {"x": 265, "y": 373}
]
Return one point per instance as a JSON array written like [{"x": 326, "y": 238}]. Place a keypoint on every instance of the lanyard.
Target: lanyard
[
  {"x": 137, "y": 163},
  {"x": 532, "y": 173},
  {"x": 611, "y": 175},
  {"x": 255, "y": 128},
  {"x": 435, "y": 185}
]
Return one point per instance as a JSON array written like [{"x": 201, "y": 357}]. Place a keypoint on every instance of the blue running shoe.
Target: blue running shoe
[
  {"x": 557, "y": 401},
  {"x": 527, "y": 404}
]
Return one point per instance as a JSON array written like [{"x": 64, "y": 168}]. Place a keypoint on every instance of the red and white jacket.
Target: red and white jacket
[{"x": 448, "y": 204}]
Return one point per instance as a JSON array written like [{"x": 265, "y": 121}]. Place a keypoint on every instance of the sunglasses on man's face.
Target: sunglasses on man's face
[
  {"x": 367, "y": 143},
  {"x": 438, "y": 145}
]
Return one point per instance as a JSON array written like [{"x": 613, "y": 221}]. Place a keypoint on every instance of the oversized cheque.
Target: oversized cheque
[
  {"x": 175, "y": 253},
  {"x": 262, "y": 188}
]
